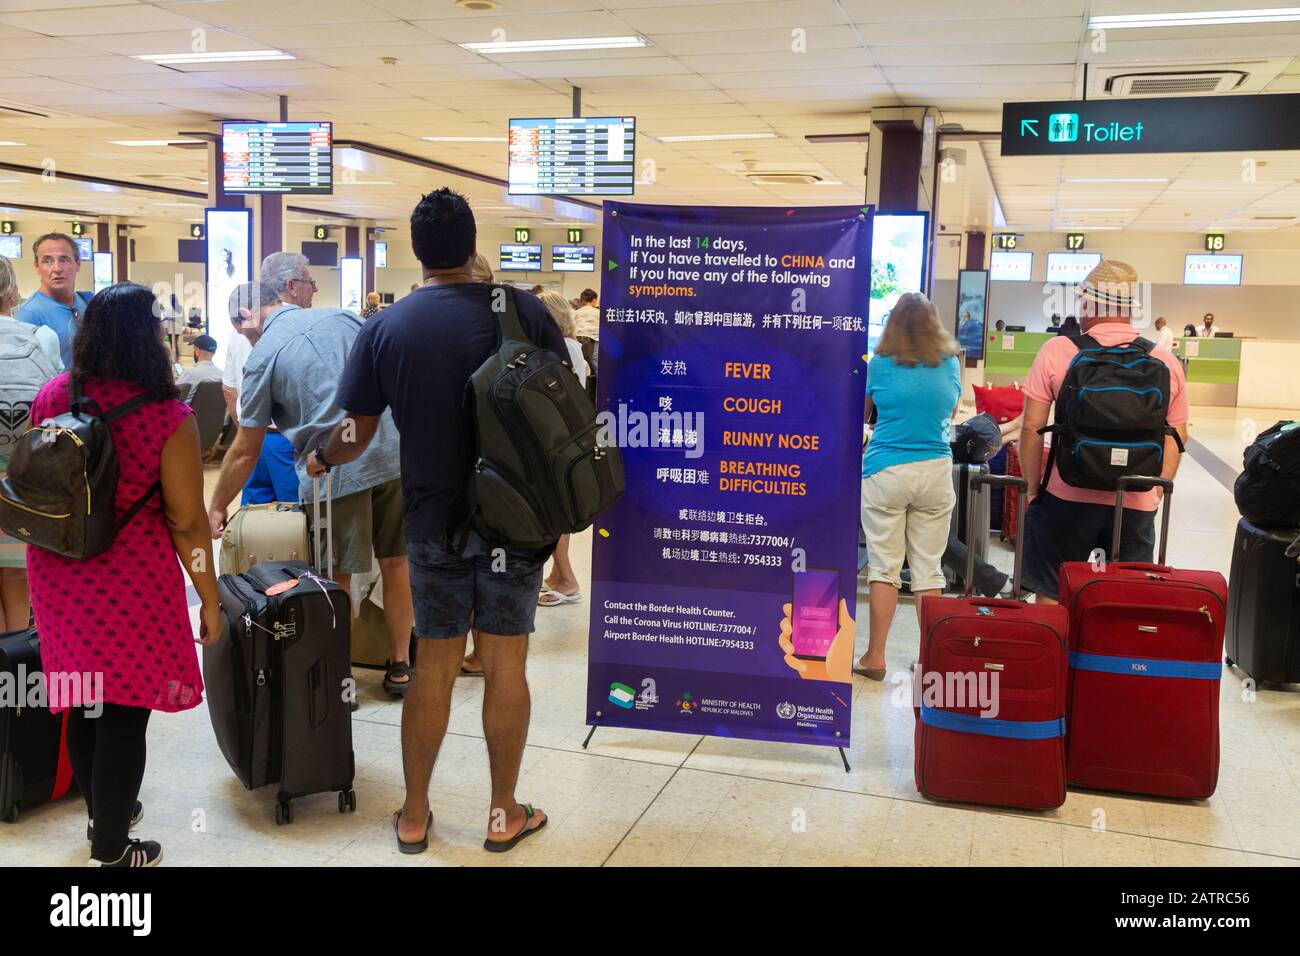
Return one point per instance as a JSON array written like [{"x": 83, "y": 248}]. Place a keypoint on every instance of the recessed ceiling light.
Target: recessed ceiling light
[
  {"x": 465, "y": 139},
  {"x": 1098, "y": 209},
  {"x": 477, "y": 4},
  {"x": 234, "y": 56},
  {"x": 153, "y": 142},
  {"x": 557, "y": 46},
  {"x": 713, "y": 137},
  {"x": 1154, "y": 179},
  {"x": 1200, "y": 19}
]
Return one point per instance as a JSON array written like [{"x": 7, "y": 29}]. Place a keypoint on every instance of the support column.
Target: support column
[
  {"x": 121, "y": 251},
  {"x": 370, "y": 260},
  {"x": 902, "y": 174},
  {"x": 975, "y": 245}
]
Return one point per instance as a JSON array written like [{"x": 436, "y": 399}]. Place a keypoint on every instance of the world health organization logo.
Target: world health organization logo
[{"x": 785, "y": 710}]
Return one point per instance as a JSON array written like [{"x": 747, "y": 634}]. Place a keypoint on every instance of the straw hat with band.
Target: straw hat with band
[{"x": 1112, "y": 284}]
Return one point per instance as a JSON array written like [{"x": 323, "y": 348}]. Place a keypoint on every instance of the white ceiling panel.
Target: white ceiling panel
[
  {"x": 966, "y": 32},
  {"x": 717, "y": 45},
  {"x": 233, "y": 14},
  {"x": 534, "y": 27},
  {"x": 95, "y": 21},
  {"x": 931, "y": 11},
  {"x": 764, "y": 14},
  {"x": 992, "y": 54}
]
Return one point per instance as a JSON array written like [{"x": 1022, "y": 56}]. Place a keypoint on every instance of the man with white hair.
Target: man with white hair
[{"x": 288, "y": 274}]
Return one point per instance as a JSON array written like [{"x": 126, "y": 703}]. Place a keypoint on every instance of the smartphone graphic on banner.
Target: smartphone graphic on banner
[{"x": 814, "y": 613}]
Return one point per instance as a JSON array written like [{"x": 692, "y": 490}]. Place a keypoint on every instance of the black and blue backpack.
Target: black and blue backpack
[{"x": 1111, "y": 415}]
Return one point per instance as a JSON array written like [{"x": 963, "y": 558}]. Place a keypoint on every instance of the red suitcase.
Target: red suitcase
[
  {"x": 1011, "y": 654},
  {"x": 1146, "y": 658}
]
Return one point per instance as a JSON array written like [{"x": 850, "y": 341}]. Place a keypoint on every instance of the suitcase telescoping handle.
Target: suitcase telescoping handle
[
  {"x": 329, "y": 524},
  {"x": 1010, "y": 481},
  {"x": 1138, "y": 482}
]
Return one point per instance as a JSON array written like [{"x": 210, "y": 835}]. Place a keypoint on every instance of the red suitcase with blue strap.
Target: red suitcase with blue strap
[
  {"x": 1146, "y": 658},
  {"x": 1011, "y": 754}
]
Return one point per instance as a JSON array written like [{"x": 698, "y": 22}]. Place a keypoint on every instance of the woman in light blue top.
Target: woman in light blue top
[{"x": 914, "y": 384}]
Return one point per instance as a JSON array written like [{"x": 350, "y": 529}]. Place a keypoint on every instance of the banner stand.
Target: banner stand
[{"x": 844, "y": 757}]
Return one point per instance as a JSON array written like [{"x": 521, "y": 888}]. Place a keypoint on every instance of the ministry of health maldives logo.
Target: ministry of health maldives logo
[
  {"x": 687, "y": 703},
  {"x": 621, "y": 695}
]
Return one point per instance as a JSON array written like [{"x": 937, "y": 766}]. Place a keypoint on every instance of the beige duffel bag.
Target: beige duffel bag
[
  {"x": 276, "y": 531},
  {"x": 370, "y": 644}
]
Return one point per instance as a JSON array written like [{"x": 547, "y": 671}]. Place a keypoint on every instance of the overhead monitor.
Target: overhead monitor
[
  {"x": 228, "y": 263},
  {"x": 11, "y": 247},
  {"x": 381, "y": 255},
  {"x": 521, "y": 257},
  {"x": 572, "y": 156},
  {"x": 898, "y": 257},
  {"x": 573, "y": 258},
  {"x": 1220, "y": 269},
  {"x": 285, "y": 158},
  {"x": 1010, "y": 266},
  {"x": 86, "y": 248},
  {"x": 1071, "y": 268}
]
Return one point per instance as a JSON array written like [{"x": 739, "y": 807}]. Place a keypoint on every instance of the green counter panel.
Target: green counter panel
[{"x": 1218, "y": 360}]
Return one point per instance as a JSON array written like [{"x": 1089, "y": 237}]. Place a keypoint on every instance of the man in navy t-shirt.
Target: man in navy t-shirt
[{"x": 416, "y": 357}]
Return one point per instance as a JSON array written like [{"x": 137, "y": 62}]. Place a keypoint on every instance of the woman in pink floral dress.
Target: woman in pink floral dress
[{"x": 121, "y": 617}]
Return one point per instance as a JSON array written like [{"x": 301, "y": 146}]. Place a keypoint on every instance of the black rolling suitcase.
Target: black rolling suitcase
[
  {"x": 279, "y": 681},
  {"x": 1264, "y": 604},
  {"x": 34, "y": 765}
]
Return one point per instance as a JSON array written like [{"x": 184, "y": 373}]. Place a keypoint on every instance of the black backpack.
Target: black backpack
[
  {"x": 539, "y": 469},
  {"x": 1268, "y": 488},
  {"x": 1111, "y": 415},
  {"x": 61, "y": 487}
]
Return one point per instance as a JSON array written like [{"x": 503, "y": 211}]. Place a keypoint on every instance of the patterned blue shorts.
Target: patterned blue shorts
[{"x": 496, "y": 586}]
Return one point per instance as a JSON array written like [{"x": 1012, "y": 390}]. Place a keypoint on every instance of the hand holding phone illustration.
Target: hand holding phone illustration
[{"x": 838, "y": 663}]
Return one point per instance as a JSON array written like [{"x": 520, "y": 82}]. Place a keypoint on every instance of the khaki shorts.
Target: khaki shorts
[
  {"x": 906, "y": 512},
  {"x": 367, "y": 525}
]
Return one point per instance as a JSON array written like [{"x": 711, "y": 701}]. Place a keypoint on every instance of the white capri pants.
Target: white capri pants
[{"x": 906, "y": 512}]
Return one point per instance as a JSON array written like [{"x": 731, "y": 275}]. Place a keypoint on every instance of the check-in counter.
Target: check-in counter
[{"x": 1214, "y": 366}]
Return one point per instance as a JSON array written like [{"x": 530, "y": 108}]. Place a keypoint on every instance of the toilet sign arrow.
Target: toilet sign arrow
[{"x": 1029, "y": 126}]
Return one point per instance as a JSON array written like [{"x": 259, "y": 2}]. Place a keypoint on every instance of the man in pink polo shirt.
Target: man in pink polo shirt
[{"x": 1064, "y": 523}]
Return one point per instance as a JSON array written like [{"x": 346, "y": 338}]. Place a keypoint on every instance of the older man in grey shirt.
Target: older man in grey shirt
[{"x": 290, "y": 378}]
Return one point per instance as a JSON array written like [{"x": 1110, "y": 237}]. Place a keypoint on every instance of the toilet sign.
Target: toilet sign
[{"x": 1185, "y": 124}]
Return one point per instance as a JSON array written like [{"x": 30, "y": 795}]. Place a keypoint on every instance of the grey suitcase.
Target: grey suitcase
[{"x": 961, "y": 476}]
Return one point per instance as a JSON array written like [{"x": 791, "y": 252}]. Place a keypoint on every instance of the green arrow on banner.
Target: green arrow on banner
[
  {"x": 612, "y": 265},
  {"x": 1029, "y": 126}
]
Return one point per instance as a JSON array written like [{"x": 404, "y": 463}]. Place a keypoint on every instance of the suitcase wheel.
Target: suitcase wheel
[
  {"x": 1230, "y": 662},
  {"x": 283, "y": 812},
  {"x": 347, "y": 801}
]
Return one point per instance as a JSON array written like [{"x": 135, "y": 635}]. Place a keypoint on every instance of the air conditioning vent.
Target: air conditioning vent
[
  {"x": 783, "y": 179},
  {"x": 1175, "y": 82}
]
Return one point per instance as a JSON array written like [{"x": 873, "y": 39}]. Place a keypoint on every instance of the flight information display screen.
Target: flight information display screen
[
  {"x": 573, "y": 258},
  {"x": 285, "y": 158},
  {"x": 573, "y": 156},
  {"x": 520, "y": 257}
]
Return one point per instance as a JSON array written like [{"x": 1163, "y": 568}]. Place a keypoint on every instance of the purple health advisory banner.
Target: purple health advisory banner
[{"x": 731, "y": 372}]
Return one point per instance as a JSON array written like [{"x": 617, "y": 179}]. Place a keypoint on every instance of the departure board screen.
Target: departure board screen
[
  {"x": 521, "y": 257},
  {"x": 573, "y": 156},
  {"x": 286, "y": 158},
  {"x": 573, "y": 258}
]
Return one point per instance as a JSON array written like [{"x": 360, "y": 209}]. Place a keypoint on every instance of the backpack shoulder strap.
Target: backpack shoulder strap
[
  {"x": 130, "y": 405},
  {"x": 509, "y": 328},
  {"x": 1084, "y": 341},
  {"x": 1142, "y": 344}
]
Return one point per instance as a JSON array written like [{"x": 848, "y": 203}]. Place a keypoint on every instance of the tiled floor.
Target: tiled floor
[{"x": 665, "y": 799}]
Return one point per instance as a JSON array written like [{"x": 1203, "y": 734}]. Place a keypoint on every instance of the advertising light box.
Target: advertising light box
[
  {"x": 1010, "y": 266},
  {"x": 1200, "y": 269},
  {"x": 11, "y": 247},
  {"x": 898, "y": 249}
]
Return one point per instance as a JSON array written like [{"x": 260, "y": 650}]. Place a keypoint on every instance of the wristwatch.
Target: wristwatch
[{"x": 320, "y": 456}]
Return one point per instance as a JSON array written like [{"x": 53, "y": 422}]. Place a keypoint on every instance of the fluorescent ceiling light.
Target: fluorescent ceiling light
[
  {"x": 1098, "y": 209},
  {"x": 153, "y": 142},
  {"x": 10, "y": 142},
  {"x": 1154, "y": 179},
  {"x": 1082, "y": 225},
  {"x": 233, "y": 56},
  {"x": 828, "y": 182},
  {"x": 713, "y": 137},
  {"x": 465, "y": 139},
  {"x": 1202, "y": 19},
  {"x": 557, "y": 46}
]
